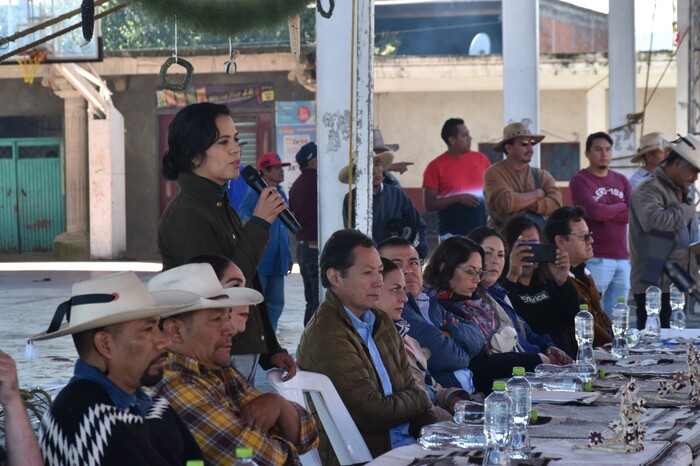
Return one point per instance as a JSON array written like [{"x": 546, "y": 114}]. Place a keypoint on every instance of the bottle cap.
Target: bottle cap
[
  {"x": 621, "y": 299},
  {"x": 194, "y": 463},
  {"x": 517, "y": 370},
  {"x": 587, "y": 387},
  {"x": 533, "y": 415},
  {"x": 499, "y": 385},
  {"x": 583, "y": 307},
  {"x": 244, "y": 452}
]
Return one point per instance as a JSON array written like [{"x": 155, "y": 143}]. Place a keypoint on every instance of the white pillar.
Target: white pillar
[
  {"x": 682, "y": 70},
  {"x": 521, "y": 58},
  {"x": 344, "y": 91},
  {"x": 596, "y": 105},
  {"x": 73, "y": 243},
  {"x": 623, "y": 86},
  {"x": 107, "y": 187}
]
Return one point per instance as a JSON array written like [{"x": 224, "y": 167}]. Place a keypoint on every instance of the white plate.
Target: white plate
[{"x": 560, "y": 397}]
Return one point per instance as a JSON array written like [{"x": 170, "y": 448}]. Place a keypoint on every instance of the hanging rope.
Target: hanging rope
[
  {"x": 325, "y": 13},
  {"x": 175, "y": 60}
]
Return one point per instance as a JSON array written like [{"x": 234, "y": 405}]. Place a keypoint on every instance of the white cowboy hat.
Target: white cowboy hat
[
  {"x": 201, "y": 280},
  {"x": 516, "y": 130},
  {"x": 688, "y": 147},
  {"x": 386, "y": 158},
  {"x": 108, "y": 300},
  {"x": 648, "y": 143}
]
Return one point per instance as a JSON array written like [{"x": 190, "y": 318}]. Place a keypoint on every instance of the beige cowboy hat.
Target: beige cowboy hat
[
  {"x": 516, "y": 130},
  {"x": 201, "y": 280},
  {"x": 111, "y": 299},
  {"x": 379, "y": 145},
  {"x": 688, "y": 147},
  {"x": 386, "y": 159},
  {"x": 648, "y": 143}
]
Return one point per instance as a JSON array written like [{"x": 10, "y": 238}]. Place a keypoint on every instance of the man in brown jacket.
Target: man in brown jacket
[
  {"x": 359, "y": 349},
  {"x": 568, "y": 230}
]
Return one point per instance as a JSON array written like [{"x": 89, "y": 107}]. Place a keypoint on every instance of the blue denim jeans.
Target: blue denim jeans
[
  {"x": 612, "y": 278},
  {"x": 307, "y": 258},
  {"x": 273, "y": 290}
]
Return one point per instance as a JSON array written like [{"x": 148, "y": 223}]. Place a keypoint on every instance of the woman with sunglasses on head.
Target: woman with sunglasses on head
[
  {"x": 452, "y": 276},
  {"x": 495, "y": 259},
  {"x": 203, "y": 155}
]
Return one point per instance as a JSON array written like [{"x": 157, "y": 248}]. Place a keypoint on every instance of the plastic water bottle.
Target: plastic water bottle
[
  {"x": 620, "y": 323},
  {"x": 497, "y": 418},
  {"x": 519, "y": 391},
  {"x": 677, "y": 306},
  {"x": 584, "y": 335},
  {"x": 244, "y": 457},
  {"x": 583, "y": 371},
  {"x": 653, "y": 306},
  {"x": 448, "y": 434},
  {"x": 559, "y": 382}
]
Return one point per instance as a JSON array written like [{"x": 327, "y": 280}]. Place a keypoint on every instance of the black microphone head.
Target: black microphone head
[
  {"x": 679, "y": 276},
  {"x": 249, "y": 173}
]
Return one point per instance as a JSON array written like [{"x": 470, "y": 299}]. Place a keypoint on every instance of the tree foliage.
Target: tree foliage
[{"x": 131, "y": 28}]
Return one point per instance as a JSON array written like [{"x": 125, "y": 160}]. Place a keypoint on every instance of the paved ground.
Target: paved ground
[{"x": 28, "y": 300}]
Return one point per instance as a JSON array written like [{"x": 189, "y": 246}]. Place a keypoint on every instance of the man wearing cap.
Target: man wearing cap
[
  {"x": 103, "y": 416},
  {"x": 276, "y": 260},
  {"x": 303, "y": 202},
  {"x": 393, "y": 213},
  {"x": 662, "y": 202},
  {"x": 653, "y": 149},
  {"x": 453, "y": 183},
  {"x": 605, "y": 195},
  {"x": 512, "y": 187},
  {"x": 221, "y": 409}
]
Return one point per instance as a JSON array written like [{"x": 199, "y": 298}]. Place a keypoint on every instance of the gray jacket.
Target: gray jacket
[{"x": 658, "y": 204}]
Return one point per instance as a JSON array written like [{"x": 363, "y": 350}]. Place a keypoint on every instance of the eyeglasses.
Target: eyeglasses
[
  {"x": 681, "y": 138},
  {"x": 584, "y": 236},
  {"x": 474, "y": 274}
]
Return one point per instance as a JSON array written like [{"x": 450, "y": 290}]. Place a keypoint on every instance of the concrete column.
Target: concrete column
[
  {"x": 683, "y": 16},
  {"x": 596, "y": 120},
  {"x": 623, "y": 86},
  {"x": 344, "y": 64},
  {"x": 73, "y": 243},
  {"x": 521, "y": 59}
]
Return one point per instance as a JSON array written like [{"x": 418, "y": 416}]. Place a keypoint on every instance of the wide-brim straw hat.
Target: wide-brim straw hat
[
  {"x": 516, "y": 130},
  {"x": 379, "y": 145},
  {"x": 109, "y": 300},
  {"x": 201, "y": 280},
  {"x": 688, "y": 147},
  {"x": 648, "y": 143},
  {"x": 386, "y": 158}
]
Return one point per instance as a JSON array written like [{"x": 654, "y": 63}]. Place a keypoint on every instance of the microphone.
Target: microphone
[
  {"x": 253, "y": 179},
  {"x": 682, "y": 279}
]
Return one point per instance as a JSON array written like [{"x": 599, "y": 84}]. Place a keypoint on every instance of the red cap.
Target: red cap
[{"x": 270, "y": 159}]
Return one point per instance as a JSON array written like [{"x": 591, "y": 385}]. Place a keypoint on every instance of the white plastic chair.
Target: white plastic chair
[{"x": 347, "y": 442}]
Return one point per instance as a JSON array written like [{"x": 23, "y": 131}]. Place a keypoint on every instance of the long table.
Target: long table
[{"x": 673, "y": 424}]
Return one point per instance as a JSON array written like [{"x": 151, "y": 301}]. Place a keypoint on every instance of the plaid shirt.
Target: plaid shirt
[{"x": 210, "y": 403}]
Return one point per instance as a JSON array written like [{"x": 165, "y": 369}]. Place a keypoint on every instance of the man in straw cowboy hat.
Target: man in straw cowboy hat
[
  {"x": 103, "y": 416},
  {"x": 222, "y": 410},
  {"x": 663, "y": 202},
  {"x": 512, "y": 187},
  {"x": 453, "y": 183},
  {"x": 653, "y": 149},
  {"x": 393, "y": 213}
]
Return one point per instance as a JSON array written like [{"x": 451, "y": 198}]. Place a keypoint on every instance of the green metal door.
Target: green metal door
[
  {"x": 37, "y": 196},
  {"x": 9, "y": 233}
]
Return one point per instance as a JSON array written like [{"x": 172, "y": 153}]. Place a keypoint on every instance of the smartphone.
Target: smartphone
[{"x": 542, "y": 253}]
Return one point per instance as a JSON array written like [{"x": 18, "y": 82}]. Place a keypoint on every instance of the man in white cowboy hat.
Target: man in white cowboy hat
[
  {"x": 512, "y": 187},
  {"x": 653, "y": 149},
  {"x": 393, "y": 213},
  {"x": 662, "y": 202},
  {"x": 103, "y": 416},
  {"x": 379, "y": 146},
  {"x": 453, "y": 183},
  {"x": 605, "y": 196},
  {"x": 222, "y": 410}
]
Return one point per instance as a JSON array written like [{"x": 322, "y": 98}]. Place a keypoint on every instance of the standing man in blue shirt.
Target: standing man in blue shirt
[{"x": 277, "y": 258}]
